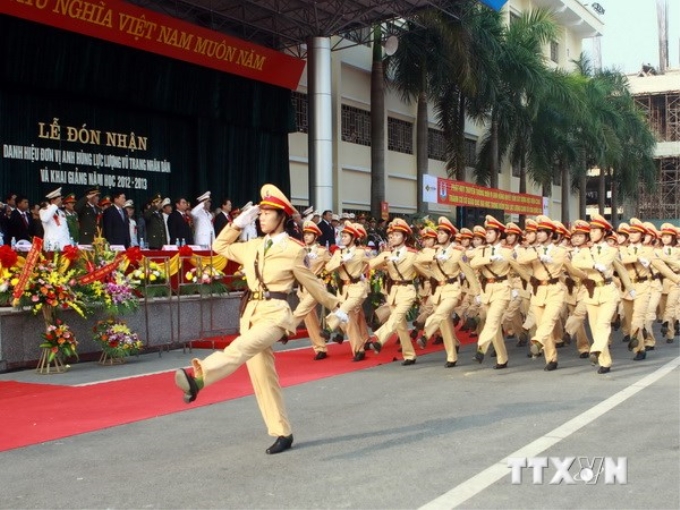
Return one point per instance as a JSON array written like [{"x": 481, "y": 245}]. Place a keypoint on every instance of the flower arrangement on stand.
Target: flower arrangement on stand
[
  {"x": 59, "y": 342},
  {"x": 117, "y": 341},
  {"x": 150, "y": 277}
]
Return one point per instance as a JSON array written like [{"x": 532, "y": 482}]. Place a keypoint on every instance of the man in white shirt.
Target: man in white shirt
[
  {"x": 54, "y": 223},
  {"x": 132, "y": 223},
  {"x": 166, "y": 208},
  {"x": 203, "y": 226}
]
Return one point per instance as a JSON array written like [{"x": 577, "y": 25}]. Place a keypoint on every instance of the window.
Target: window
[
  {"x": 399, "y": 136},
  {"x": 356, "y": 125},
  {"x": 300, "y": 104},
  {"x": 436, "y": 145},
  {"x": 470, "y": 152},
  {"x": 554, "y": 51}
]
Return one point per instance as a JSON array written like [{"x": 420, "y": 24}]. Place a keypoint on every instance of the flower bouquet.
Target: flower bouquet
[
  {"x": 117, "y": 341},
  {"x": 205, "y": 280},
  {"x": 150, "y": 277},
  {"x": 59, "y": 342}
]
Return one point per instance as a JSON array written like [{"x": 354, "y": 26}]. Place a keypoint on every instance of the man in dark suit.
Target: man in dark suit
[
  {"x": 222, "y": 218},
  {"x": 328, "y": 232},
  {"x": 115, "y": 222},
  {"x": 20, "y": 222},
  {"x": 89, "y": 215},
  {"x": 179, "y": 223}
]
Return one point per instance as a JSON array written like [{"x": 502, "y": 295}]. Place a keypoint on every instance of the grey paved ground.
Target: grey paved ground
[{"x": 386, "y": 437}]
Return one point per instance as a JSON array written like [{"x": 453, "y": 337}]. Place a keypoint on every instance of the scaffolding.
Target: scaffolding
[{"x": 663, "y": 114}]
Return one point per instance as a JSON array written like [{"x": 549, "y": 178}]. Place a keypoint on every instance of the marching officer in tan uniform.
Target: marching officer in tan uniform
[
  {"x": 351, "y": 263},
  {"x": 546, "y": 261},
  {"x": 492, "y": 263},
  {"x": 512, "y": 318},
  {"x": 637, "y": 258},
  {"x": 271, "y": 264},
  {"x": 428, "y": 240},
  {"x": 444, "y": 266},
  {"x": 576, "y": 293},
  {"x": 670, "y": 300},
  {"x": 317, "y": 257},
  {"x": 599, "y": 263},
  {"x": 398, "y": 262}
]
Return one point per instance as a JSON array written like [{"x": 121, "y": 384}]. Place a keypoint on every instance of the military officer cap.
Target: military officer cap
[
  {"x": 106, "y": 200},
  {"x": 612, "y": 237},
  {"x": 335, "y": 217},
  {"x": 511, "y": 228},
  {"x": 399, "y": 225},
  {"x": 466, "y": 233},
  {"x": 156, "y": 198},
  {"x": 651, "y": 229},
  {"x": 544, "y": 223},
  {"x": 205, "y": 196},
  {"x": 637, "y": 226},
  {"x": 491, "y": 223},
  {"x": 624, "y": 228},
  {"x": 54, "y": 194},
  {"x": 344, "y": 216},
  {"x": 310, "y": 226},
  {"x": 530, "y": 225},
  {"x": 598, "y": 221},
  {"x": 561, "y": 229},
  {"x": 361, "y": 230},
  {"x": 69, "y": 199},
  {"x": 92, "y": 191},
  {"x": 307, "y": 211},
  {"x": 166, "y": 201},
  {"x": 428, "y": 232},
  {"x": 668, "y": 229},
  {"x": 129, "y": 204},
  {"x": 350, "y": 228},
  {"x": 443, "y": 223},
  {"x": 273, "y": 198},
  {"x": 479, "y": 231},
  {"x": 580, "y": 227}
]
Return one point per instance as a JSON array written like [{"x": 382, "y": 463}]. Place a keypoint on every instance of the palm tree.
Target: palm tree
[{"x": 377, "y": 125}]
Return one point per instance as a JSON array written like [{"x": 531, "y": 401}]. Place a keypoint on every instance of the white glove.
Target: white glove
[
  {"x": 497, "y": 257},
  {"x": 247, "y": 217},
  {"x": 632, "y": 293},
  {"x": 600, "y": 267},
  {"x": 514, "y": 293},
  {"x": 344, "y": 318},
  {"x": 478, "y": 300},
  {"x": 311, "y": 255},
  {"x": 394, "y": 258},
  {"x": 462, "y": 276},
  {"x": 643, "y": 261},
  {"x": 346, "y": 257},
  {"x": 547, "y": 259},
  {"x": 441, "y": 257}
]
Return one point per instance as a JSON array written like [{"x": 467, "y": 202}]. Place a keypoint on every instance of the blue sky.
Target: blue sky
[{"x": 630, "y": 35}]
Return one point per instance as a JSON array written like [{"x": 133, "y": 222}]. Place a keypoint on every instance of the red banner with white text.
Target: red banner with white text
[{"x": 122, "y": 23}]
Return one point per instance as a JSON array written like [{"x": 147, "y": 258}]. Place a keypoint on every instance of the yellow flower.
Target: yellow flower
[
  {"x": 14, "y": 281},
  {"x": 152, "y": 278}
]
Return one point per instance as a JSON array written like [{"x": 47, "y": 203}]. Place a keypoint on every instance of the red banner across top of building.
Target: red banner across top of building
[
  {"x": 450, "y": 192},
  {"x": 122, "y": 23}
]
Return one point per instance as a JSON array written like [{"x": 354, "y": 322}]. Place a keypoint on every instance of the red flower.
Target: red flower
[
  {"x": 8, "y": 256},
  {"x": 185, "y": 251},
  {"x": 71, "y": 252}
]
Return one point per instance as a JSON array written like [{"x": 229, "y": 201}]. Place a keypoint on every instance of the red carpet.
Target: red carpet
[{"x": 35, "y": 413}]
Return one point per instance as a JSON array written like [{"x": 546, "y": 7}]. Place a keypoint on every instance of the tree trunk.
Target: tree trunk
[
  {"x": 582, "y": 195},
  {"x": 601, "y": 191},
  {"x": 377, "y": 126},
  {"x": 566, "y": 192},
  {"x": 495, "y": 163},
  {"x": 522, "y": 187},
  {"x": 460, "y": 169},
  {"x": 421, "y": 150}
]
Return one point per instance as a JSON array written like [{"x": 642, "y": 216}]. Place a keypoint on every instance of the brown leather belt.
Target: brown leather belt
[
  {"x": 495, "y": 280},
  {"x": 352, "y": 280},
  {"x": 552, "y": 281},
  {"x": 449, "y": 281},
  {"x": 641, "y": 279},
  {"x": 402, "y": 282}
]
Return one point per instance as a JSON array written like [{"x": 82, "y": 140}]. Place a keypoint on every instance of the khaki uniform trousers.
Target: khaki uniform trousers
[
  {"x": 497, "y": 295},
  {"x": 254, "y": 348},
  {"x": 670, "y": 303},
  {"x": 546, "y": 305},
  {"x": 655, "y": 289},
  {"x": 441, "y": 319},
  {"x": 306, "y": 310},
  {"x": 353, "y": 296},
  {"x": 635, "y": 312},
  {"x": 401, "y": 300},
  {"x": 600, "y": 309},
  {"x": 575, "y": 325},
  {"x": 512, "y": 318}
]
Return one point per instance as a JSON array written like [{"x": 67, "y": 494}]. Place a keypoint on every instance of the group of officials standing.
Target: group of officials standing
[{"x": 539, "y": 284}]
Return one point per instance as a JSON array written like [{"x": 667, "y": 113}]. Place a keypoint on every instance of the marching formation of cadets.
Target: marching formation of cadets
[{"x": 540, "y": 285}]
